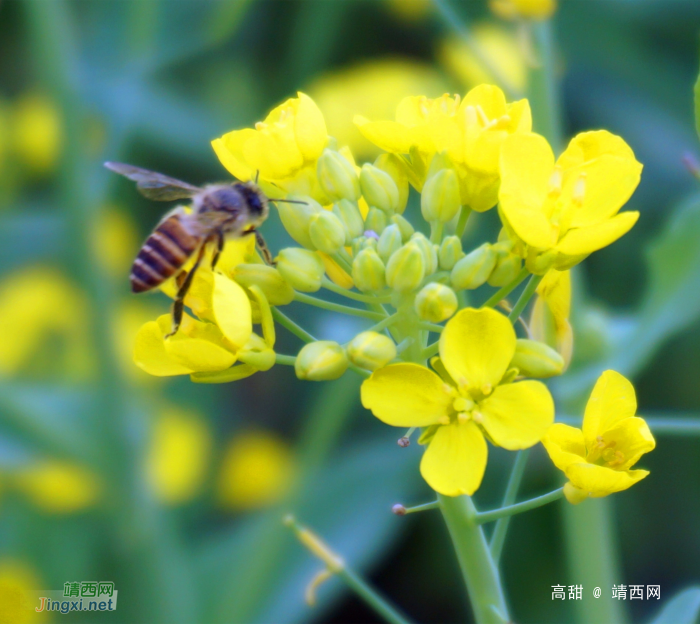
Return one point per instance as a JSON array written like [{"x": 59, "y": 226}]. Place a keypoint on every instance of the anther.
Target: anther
[
  {"x": 444, "y": 420},
  {"x": 405, "y": 440},
  {"x": 555, "y": 182},
  {"x": 487, "y": 389},
  {"x": 579, "y": 189},
  {"x": 478, "y": 417},
  {"x": 463, "y": 417},
  {"x": 482, "y": 115},
  {"x": 260, "y": 125},
  {"x": 470, "y": 116}
]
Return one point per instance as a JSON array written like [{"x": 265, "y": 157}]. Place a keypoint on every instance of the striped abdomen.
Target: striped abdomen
[{"x": 163, "y": 254}]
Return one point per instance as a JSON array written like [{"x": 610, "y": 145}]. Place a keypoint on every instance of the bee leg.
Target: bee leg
[
  {"x": 262, "y": 246},
  {"x": 179, "y": 303},
  {"x": 219, "y": 248}
]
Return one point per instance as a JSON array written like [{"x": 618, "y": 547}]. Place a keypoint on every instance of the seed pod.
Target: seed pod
[
  {"x": 327, "y": 232},
  {"x": 301, "y": 269},
  {"x": 321, "y": 361},
  {"x": 474, "y": 269},
  {"x": 406, "y": 268},
  {"x": 450, "y": 253},
  {"x": 276, "y": 290},
  {"x": 337, "y": 176},
  {"x": 379, "y": 189},
  {"x": 371, "y": 350},
  {"x": 368, "y": 271},
  {"x": 436, "y": 302}
]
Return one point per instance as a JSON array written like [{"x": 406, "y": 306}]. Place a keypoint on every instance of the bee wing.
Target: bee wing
[{"x": 154, "y": 185}]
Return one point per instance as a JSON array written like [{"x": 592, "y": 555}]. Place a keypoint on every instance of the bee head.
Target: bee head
[{"x": 256, "y": 200}]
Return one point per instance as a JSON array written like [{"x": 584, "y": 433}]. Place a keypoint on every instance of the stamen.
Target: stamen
[
  {"x": 487, "y": 389},
  {"x": 458, "y": 99},
  {"x": 463, "y": 417},
  {"x": 470, "y": 116},
  {"x": 555, "y": 183},
  {"x": 482, "y": 115},
  {"x": 260, "y": 125},
  {"x": 478, "y": 417},
  {"x": 579, "y": 190},
  {"x": 310, "y": 593},
  {"x": 462, "y": 404},
  {"x": 444, "y": 420}
]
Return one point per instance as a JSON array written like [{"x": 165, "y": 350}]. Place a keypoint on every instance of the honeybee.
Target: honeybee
[{"x": 219, "y": 211}]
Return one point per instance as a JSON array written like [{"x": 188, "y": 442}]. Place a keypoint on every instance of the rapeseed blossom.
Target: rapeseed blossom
[
  {"x": 524, "y": 9},
  {"x": 598, "y": 458}
]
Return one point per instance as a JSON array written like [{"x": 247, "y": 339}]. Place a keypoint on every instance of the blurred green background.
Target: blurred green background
[{"x": 175, "y": 491}]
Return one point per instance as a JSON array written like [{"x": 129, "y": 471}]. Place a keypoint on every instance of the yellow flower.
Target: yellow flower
[
  {"x": 549, "y": 321},
  {"x": 17, "y": 579},
  {"x": 37, "y": 132},
  {"x": 58, "y": 487},
  {"x": 472, "y": 401},
  {"x": 115, "y": 242},
  {"x": 257, "y": 470},
  {"x": 468, "y": 131},
  {"x": 283, "y": 149},
  {"x": 410, "y": 10},
  {"x": 178, "y": 457},
  {"x": 565, "y": 210},
  {"x": 528, "y": 9},
  {"x": 598, "y": 459}
]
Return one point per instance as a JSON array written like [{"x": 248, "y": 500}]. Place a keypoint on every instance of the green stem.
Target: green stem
[
  {"x": 431, "y": 350},
  {"x": 516, "y": 476},
  {"x": 344, "y": 260},
  {"x": 371, "y": 597},
  {"x": 659, "y": 425},
  {"x": 462, "y": 222},
  {"x": 525, "y": 298},
  {"x": 431, "y": 327},
  {"x": 436, "y": 229},
  {"x": 478, "y": 568},
  {"x": 329, "y": 285},
  {"x": 544, "y": 92},
  {"x": 387, "y": 322},
  {"x": 417, "y": 508},
  {"x": 297, "y": 330},
  {"x": 511, "y": 510},
  {"x": 288, "y": 360},
  {"x": 337, "y": 307},
  {"x": 506, "y": 290},
  {"x": 360, "y": 371}
]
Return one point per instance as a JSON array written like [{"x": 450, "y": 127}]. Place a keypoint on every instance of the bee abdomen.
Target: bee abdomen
[{"x": 162, "y": 255}]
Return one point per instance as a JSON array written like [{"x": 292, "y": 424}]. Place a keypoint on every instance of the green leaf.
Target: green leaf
[
  {"x": 683, "y": 608},
  {"x": 696, "y": 92}
]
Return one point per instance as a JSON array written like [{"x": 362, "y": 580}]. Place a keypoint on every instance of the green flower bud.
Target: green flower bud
[
  {"x": 358, "y": 245},
  {"x": 321, "y": 361},
  {"x": 349, "y": 215},
  {"x": 393, "y": 165},
  {"x": 368, "y": 271},
  {"x": 376, "y": 220},
  {"x": 296, "y": 218},
  {"x": 429, "y": 252},
  {"x": 257, "y": 354},
  {"x": 440, "y": 199},
  {"x": 436, "y": 302},
  {"x": 404, "y": 226},
  {"x": 371, "y": 350},
  {"x": 379, "y": 188},
  {"x": 327, "y": 232},
  {"x": 406, "y": 268},
  {"x": 450, "y": 252},
  {"x": 474, "y": 269},
  {"x": 389, "y": 242},
  {"x": 337, "y": 176},
  {"x": 276, "y": 290},
  {"x": 536, "y": 359},
  {"x": 508, "y": 265},
  {"x": 301, "y": 269}
]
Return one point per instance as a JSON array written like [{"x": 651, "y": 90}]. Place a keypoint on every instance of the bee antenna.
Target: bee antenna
[
  {"x": 289, "y": 201},
  {"x": 257, "y": 175}
]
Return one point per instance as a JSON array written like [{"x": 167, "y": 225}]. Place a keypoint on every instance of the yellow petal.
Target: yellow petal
[
  {"x": 149, "y": 350},
  {"x": 231, "y": 310},
  {"x": 565, "y": 445},
  {"x": 274, "y": 152},
  {"x": 407, "y": 395},
  {"x": 477, "y": 346},
  {"x": 229, "y": 150},
  {"x": 387, "y": 135},
  {"x": 612, "y": 400},
  {"x": 517, "y": 416},
  {"x": 199, "y": 346},
  {"x": 586, "y": 240},
  {"x": 309, "y": 127},
  {"x": 236, "y": 251},
  {"x": 526, "y": 166},
  {"x": 632, "y": 438},
  {"x": 455, "y": 459},
  {"x": 336, "y": 274},
  {"x": 412, "y": 111},
  {"x": 520, "y": 116},
  {"x": 489, "y": 97},
  {"x": 600, "y": 481}
]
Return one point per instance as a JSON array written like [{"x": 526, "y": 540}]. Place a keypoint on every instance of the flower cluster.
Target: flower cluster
[{"x": 447, "y": 158}]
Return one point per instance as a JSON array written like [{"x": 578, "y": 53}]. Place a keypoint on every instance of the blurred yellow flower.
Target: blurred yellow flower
[
  {"x": 468, "y": 131},
  {"x": 410, "y": 10},
  {"x": 283, "y": 149},
  {"x": 372, "y": 89},
  {"x": 115, "y": 242},
  {"x": 257, "y": 470},
  {"x": 179, "y": 455},
  {"x": 43, "y": 321},
  {"x": 37, "y": 132},
  {"x": 565, "y": 210},
  {"x": 16, "y": 580},
  {"x": 549, "y": 320},
  {"x": 527, "y": 9},
  {"x": 57, "y": 487},
  {"x": 469, "y": 403},
  {"x": 498, "y": 44},
  {"x": 598, "y": 459}
]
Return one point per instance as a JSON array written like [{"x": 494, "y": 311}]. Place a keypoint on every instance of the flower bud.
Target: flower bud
[
  {"x": 376, "y": 221},
  {"x": 301, "y": 269},
  {"x": 379, "y": 188},
  {"x": 368, "y": 271},
  {"x": 436, "y": 302},
  {"x": 404, "y": 226},
  {"x": 350, "y": 217},
  {"x": 536, "y": 359},
  {"x": 474, "y": 269},
  {"x": 276, "y": 290},
  {"x": 371, "y": 350},
  {"x": 337, "y": 177},
  {"x": 358, "y": 245},
  {"x": 389, "y": 242},
  {"x": 392, "y": 164},
  {"x": 450, "y": 252},
  {"x": 257, "y": 354},
  {"x": 440, "y": 199},
  {"x": 296, "y": 217},
  {"x": 327, "y": 232},
  {"x": 429, "y": 252},
  {"x": 406, "y": 268},
  {"x": 321, "y": 361},
  {"x": 507, "y": 267},
  {"x": 573, "y": 494}
]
